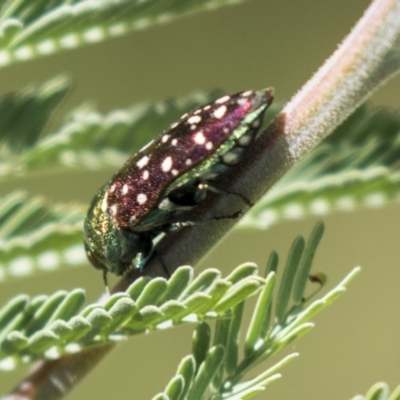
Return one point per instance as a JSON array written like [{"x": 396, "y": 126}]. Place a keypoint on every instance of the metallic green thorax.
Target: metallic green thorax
[{"x": 100, "y": 231}]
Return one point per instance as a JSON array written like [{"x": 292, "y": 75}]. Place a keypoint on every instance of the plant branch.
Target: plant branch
[{"x": 367, "y": 58}]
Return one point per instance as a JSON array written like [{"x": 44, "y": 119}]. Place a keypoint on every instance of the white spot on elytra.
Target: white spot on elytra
[
  {"x": 188, "y": 162},
  {"x": 114, "y": 209},
  {"x": 112, "y": 188},
  {"x": 125, "y": 189},
  {"x": 166, "y": 164},
  {"x": 199, "y": 138},
  {"x": 197, "y": 111},
  {"x": 145, "y": 175},
  {"x": 142, "y": 198},
  {"x": 184, "y": 116},
  {"x": 220, "y": 112},
  {"x": 241, "y": 102},
  {"x": 247, "y": 94},
  {"x": 175, "y": 172},
  {"x": 226, "y": 130},
  {"x": 209, "y": 145},
  {"x": 165, "y": 138},
  {"x": 222, "y": 100},
  {"x": 174, "y": 142},
  {"x": 132, "y": 219},
  {"x": 104, "y": 203},
  {"x": 143, "y": 162},
  {"x": 194, "y": 119},
  {"x": 205, "y": 108},
  {"x": 174, "y": 125}
]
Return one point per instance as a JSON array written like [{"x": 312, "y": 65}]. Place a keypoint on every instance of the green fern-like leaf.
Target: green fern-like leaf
[
  {"x": 46, "y": 327},
  {"x": 23, "y": 116},
  {"x": 31, "y": 29},
  {"x": 36, "y": 235},
  {"x": 216, "y": 370}
]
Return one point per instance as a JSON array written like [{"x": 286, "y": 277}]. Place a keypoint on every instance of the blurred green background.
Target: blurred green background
[{"x": 252, "y": 45}]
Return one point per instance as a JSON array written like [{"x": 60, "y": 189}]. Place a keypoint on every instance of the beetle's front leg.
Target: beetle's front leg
[{"x": 176, "y": 226}]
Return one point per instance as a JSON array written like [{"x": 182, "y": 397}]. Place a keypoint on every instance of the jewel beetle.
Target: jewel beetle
[{"x": 170, "y": 175}]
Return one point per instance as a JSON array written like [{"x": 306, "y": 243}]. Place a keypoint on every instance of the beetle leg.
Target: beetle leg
[
  {"x": 221, "y": 191},
  {"x": 176, "y": 226}
]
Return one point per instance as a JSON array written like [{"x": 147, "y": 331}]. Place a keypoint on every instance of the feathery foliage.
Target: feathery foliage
[
  {"x": 32, "y": 29},
  {"x": 36, "y": 235},
  {"x": 215, "y": 370},
  {"x": 50, "y": 326},
  {"x": 46, "y": 327}
]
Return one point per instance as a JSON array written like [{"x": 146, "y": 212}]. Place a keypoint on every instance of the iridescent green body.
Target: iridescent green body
[{"x": 168, "y": 177}]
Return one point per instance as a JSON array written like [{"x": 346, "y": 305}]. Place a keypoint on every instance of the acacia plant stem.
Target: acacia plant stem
[{"x": 367, "y": 58}]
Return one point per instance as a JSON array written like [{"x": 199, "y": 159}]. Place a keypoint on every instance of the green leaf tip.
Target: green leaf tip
[
  {"x": 380, "y": 391},
  {"x": 175, "y": 388},
  {"x": 306, "y": 262},
  {"x": 289, "y": 274}
]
